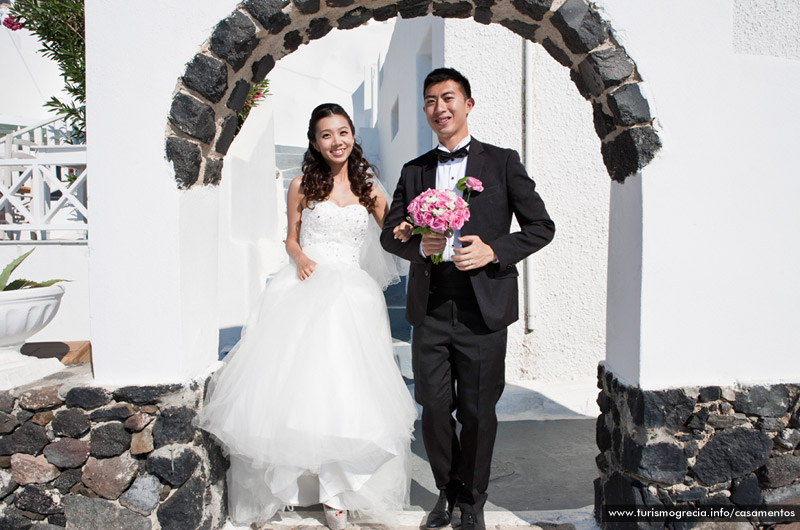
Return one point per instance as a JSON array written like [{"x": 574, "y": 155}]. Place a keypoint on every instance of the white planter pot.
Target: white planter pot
[{"x": 23, "y": 313}]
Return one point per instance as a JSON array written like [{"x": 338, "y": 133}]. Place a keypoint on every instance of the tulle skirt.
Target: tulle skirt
[{"x": 310, "y": 404}]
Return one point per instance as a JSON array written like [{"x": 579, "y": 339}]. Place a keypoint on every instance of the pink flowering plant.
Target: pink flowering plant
[{"x": 439, "y": 212}]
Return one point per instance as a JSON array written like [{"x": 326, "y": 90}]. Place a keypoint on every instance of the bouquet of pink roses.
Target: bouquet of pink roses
[{"x": 441, "y": 211}]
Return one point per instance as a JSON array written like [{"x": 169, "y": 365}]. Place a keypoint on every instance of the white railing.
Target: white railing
[{"x": 37, "y": 197}]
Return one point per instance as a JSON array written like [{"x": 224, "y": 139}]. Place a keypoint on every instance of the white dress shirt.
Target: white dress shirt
[{"x": 447, "y": 176}]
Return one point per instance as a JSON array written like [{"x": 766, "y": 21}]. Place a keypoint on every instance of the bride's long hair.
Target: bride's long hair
[{"x": 317, "y": 181}]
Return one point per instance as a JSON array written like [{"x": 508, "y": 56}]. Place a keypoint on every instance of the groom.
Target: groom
[{"x": 460, "y": 309}]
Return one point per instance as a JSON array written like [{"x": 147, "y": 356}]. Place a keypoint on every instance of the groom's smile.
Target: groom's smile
[{"x": 446, "y": 109}]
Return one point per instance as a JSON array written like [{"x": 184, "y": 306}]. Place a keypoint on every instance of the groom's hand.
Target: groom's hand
[
  {"x": 474, "y": 256},
  {"x": 433, "y": 244}
]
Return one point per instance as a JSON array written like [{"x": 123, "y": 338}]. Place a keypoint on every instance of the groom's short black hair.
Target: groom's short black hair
[{"x": 440, "y": 75}]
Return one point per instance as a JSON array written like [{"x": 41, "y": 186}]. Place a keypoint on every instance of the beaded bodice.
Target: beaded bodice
[{"x": 333, "y": 234}]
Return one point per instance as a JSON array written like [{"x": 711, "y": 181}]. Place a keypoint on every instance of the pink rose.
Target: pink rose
[
  {"x": 474, "y": 184},
  {"x": 438, "y": 224}
]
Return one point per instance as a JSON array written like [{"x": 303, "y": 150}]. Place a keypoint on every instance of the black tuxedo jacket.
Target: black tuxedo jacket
[{"x": 508, "y": 190}]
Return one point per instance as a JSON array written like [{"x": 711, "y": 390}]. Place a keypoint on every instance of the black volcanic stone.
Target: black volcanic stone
[
  {"x": 384, "y": 12},
  {"x": 57, "y": 519},
  {"x": 763, "y": 401},
  {"x": 484, "y": 3},
  {"x": 109, "y": 440},
  {"x": 768, "y": 424},
  {"x": 183, "y": 509},
  {"x": 234, "y": 39},
  {"x": 580, "y": 84},
  {"x": 226, "y": 135},
  {"x": 483, "y": 15},
  {"x": 262, "y": 67},
  {"x": 602, "y": 434},
  {"x": 174, "y": 425},
  {"x": 212, "y": 174},
  {"x": 144, "y": 395},
  {"x": 661, "y": 462},
  {"x": 628, "y": 105},
  {"x": 24, "y": 415},
  {"x": 193, "y": 117},
  {"x": 660, "y": 408},
  {"x": 536, "y": 9},
  {"x": 620, "y": 490},
  {"x": 218, "y": 462},
  {"x": 67, "y": 479},
  {"x": 185, "y": 157},
  {"x": 604, "y": 402},
  {"x": 72, "y": 423},
  {"x": 782, "y": 470},
  {"x": 116, "y": 412},
  {"x": 603, "y": 123},
  {"x": 208, "y": 76},
  {"x": 307, "y": 7},
  {"x": 6, "y": 402},
  {"x": 413, "y": 8},
  {"x": 87, "y": 398},
  {"x": 38, "y": 498},
  {"x": 556, "y": 52},
  {"x": 238, "y": 96},
  {"x": 318, "y": 28},
  {"x": 269, "y": 14},
  {"x": 693, "y": 494},
  {"x": 526, "y": 31},
  {"x": 602, "y": 463},
  {"x": 452, "y": 10},
  {"x": 732, "y": 453},
  {"x": 292, "y": 40},
  {"x": 709, "y": 393},
  {"x": 746, "y": 491},
  {"x": 173, "y": 464},
  {"x": 580, "y": 26},
  {"x": 691, "y": 448},
  {"x": 339, "y": 3},
  {"x": 605, "y": 68},
  {"x": 630, "y": 151},
  {"x": 354, "y": 18},
  {"x": 8, "y": 423},
  {"x": 698, "y": 420},
  {"x": 29, "y": 439},
  {"x": 12, "y": 519}
]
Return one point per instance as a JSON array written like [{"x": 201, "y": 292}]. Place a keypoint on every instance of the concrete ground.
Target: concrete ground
[{"x": 542, "y": 471}]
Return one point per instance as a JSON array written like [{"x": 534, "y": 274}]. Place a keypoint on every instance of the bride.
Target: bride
[{"x": 310, "y": 405}]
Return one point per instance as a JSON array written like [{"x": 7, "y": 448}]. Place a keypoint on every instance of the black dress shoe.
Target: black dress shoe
[
  {"x": 442, "y": 512},
  {"x": 472, "y": 521}
]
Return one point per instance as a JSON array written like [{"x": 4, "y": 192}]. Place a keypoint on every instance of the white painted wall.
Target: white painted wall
[
  {"x": 252, "y": 220},
  {"x": 326, "y": 70},
  {"x": 720, "y": 297},
  {"x": 29, "y": 79},
  {"x": 153, "y": 249}
]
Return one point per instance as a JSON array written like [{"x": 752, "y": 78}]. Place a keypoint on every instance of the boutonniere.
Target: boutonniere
[{"x": 470, "y": 184}]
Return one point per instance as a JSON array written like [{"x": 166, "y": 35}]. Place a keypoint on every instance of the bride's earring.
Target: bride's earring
[{"x": 337, "y": 519}]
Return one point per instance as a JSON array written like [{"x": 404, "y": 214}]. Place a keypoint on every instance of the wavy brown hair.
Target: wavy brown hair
[{"x": 317, "y": 181}]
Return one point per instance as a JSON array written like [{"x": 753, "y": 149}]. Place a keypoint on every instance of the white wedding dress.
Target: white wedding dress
[{"x": 310, "y": 404}]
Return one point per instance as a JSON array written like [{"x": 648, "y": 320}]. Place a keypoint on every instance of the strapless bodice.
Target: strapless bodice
[{"x": 333, "y": 234}]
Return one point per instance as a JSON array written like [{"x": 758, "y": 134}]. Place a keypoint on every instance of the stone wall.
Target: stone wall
[
  {"x": 94, "y": 458},
  {"x": 690, "y": 446},
  {"x": 244, "y": 47}
]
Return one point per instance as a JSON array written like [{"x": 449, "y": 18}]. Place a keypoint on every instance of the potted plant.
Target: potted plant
[{"x": 25, "y": 308}]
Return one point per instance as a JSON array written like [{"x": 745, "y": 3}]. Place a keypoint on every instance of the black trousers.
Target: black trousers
[{"x": 459, "y": 366}]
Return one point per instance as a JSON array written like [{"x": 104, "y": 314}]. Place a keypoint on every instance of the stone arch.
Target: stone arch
[{"x": 244, "y": 47}]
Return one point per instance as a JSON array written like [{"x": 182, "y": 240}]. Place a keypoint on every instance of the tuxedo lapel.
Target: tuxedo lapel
[
  {"x": 429, "y": 171},
  {"x": 475, "y": 159}
]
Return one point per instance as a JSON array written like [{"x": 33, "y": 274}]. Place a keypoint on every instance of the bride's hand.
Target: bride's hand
[
  {"x": 305, "y": 266},
  {"x": 403, "y": 231}
]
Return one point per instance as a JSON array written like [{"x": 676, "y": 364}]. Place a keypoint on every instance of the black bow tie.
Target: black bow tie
[{"x": 444, "y": 156}]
